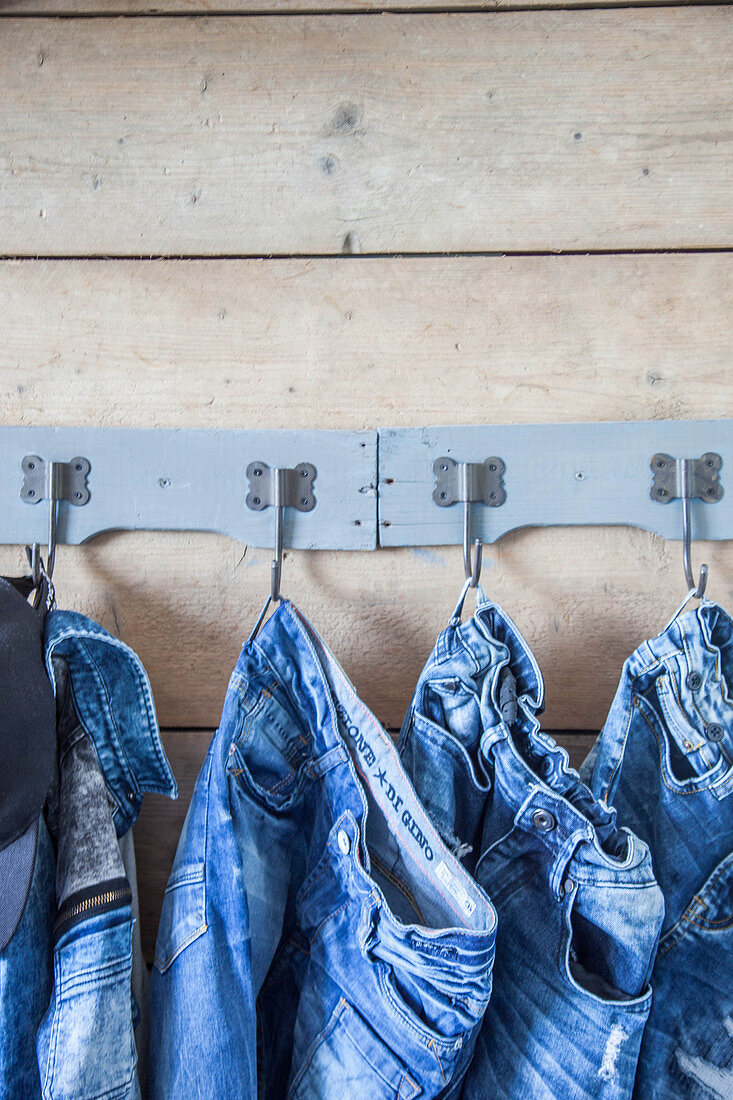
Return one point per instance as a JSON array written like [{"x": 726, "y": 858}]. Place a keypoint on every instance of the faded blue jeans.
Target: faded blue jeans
[
  {"x": 67, "y": 1014},
  {"x": 578, "y": 908},
  {"x": 665, "y": 761},
  {"x": 318, "y": 941}
]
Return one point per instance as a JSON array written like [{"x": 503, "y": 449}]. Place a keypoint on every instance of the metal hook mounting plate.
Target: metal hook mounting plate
[
  {"x": 469, "y": 481},
  {"x": 699, "y": 480},
  {"x": 296, "y": 486},
  {"x": 55, "y": 480}
]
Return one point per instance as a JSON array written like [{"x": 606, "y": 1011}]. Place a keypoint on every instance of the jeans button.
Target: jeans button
[
  {"x": 693, "y": 681},
  {"x": 543, "y": 820},
  {"x": 344, "y": 841},
  {"x": 714, "y": 731}
]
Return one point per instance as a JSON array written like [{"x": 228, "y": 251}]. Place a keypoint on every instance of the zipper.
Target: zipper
[{"x": 90, "y": 902}]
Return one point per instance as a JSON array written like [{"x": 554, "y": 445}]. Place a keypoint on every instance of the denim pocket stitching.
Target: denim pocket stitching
[
  {"x": 425, "y": 1036},
  {"x": 119, "y": 1091},
  {"x": 680, "y": 929},
  {"x": 640, "y": 1005},
  {"x": 695, "y": 786}
]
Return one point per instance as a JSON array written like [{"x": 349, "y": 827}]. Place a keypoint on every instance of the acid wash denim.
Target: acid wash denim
[
  {"x": 665, "y": 761},
  {"x": 318, "y": 941},
  {"x": 66, "y": 1004},
  {"x": 578, "y": 908}
]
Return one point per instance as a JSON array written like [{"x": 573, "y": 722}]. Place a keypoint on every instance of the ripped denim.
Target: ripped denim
[
  {"x": 664, "y": 759},
  {"x": 578, "y": 908}
]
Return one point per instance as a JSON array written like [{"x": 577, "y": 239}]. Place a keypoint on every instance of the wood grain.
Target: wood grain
[
  {"x": 274, "y": 7},
  {"x": 584, "y": 598},
  {"x": 363, "y": 343},
  {"x": 161, "y": 821},
  {"x": 552, "y": 130},
  {"x": 358, "y": 343}
]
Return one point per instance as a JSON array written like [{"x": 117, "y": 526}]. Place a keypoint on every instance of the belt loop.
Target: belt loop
[
  {"x": 562, "y": 859},
  {"x": 331, "y": 759}
]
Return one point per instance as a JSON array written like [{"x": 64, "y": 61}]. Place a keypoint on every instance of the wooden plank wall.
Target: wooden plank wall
[{"x": 541, "y": 200}]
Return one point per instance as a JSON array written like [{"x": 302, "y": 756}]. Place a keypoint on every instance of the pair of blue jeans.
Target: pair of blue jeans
[
  {"x": 578, "y": 908},
  {"x": 67, "y": 1012},
  {"x": 318, "y": 940},
  {"x": 664, "y": 759}
]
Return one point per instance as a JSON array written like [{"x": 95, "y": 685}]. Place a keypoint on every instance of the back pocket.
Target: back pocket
[
  {"x": 86, "y": 1045},
  {"x": 349, "y": 1059}
]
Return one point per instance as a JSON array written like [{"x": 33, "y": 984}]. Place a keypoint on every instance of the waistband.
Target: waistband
[
  {"x": 490, "y": 656},
  {"x": 345, "y": 735}
]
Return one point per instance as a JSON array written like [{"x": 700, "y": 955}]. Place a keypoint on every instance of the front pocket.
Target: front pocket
[
  {"x": 679, "y": 771},
  {"x": 348, "y": 1059},
  {"x": 85, "y": 1044},
  {"x": 183, "y": 916}
]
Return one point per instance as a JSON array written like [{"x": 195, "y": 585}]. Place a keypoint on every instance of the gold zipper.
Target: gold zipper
[{"x": 98, "y": 899}]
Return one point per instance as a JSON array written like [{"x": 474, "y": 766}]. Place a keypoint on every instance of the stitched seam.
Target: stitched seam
[
  {"x": 388, "y": 744},
  {"x": 435, "y": 1052},
  {"x": 330, "y": 917},
  {"x": 673, "y": 789}
]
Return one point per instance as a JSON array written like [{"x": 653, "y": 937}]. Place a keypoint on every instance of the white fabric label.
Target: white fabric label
[{"x": 449, "y": 880}]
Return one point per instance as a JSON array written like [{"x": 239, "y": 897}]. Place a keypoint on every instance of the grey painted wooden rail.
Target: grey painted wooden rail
[{"x": 372, "y": 488}]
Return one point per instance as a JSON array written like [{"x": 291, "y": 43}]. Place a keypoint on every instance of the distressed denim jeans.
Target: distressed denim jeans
[
  {"x": 578, "y": 908},
  {"x": 318, "y": 940},
  {"x": 664, "y": 759},
  {"x": 66, "y": 1002}
]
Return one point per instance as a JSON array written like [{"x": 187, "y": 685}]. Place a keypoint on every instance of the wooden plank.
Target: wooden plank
[
  {"x": 335, "y": 343},
  {"x": 356, "y": 343},
  {"x": 552, "y": 474},
  {"x": 196, "y": 480},
  {"x": 484, "y": 132},
  {"x": 186, "y": 603},
  {"x": 275, "y": 7},
  {"x": 161, "y": 821}
]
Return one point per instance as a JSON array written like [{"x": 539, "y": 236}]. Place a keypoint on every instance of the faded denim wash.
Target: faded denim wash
[
  {"x": 66, "y": 976},
  {"x": 665, "y": 761},
  {"x": 318, "y": 940},
  {"x": 578, "y": 908}
]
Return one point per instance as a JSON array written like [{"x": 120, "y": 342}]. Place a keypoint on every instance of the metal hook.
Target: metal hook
[
  {"x": 472, "y": 569},
  {"x": 277, "y": 564},
  {"x": 687, "y": 534},
  {"x": 279, "y": 488}
]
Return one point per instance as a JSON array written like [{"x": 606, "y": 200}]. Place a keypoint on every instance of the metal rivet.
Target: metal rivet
[
  {"x": 687, "y": 744},
  {"x": 543, "y": 820},
  {"x": 693, "y": 680},
  {"x": 636, "y": 701},
  {"x": 344, "y": 841},
  {"x": 714, "y": 731},
  {"x": 130, "y": 796},
  {"x": 568, "y": 886},
  {"x": 232, "y": 749}
]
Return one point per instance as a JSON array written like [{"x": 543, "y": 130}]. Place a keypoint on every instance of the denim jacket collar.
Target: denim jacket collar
[{"x": 115, "y": 705}]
